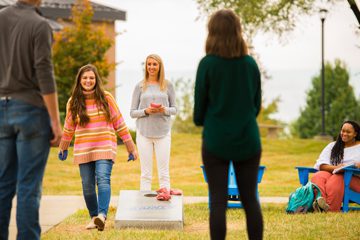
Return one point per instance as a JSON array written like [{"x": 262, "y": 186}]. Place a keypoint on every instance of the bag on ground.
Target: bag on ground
[{"x": 301, "y": 200}]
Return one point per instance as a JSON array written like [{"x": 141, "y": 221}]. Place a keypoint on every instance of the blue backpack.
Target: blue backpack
[{"x": 301, "y": 200}]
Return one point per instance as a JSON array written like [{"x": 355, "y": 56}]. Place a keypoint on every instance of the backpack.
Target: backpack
[{"x": 301, "y": 200}]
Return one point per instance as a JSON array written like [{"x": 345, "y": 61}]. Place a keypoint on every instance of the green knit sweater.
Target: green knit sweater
[{"x": 227, "y": 101}]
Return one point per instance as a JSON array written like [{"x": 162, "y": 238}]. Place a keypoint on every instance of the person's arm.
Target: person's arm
[
  {"x": 51, "y": 103},
  {"x": 69, "y": 129},
  {"x": 323, "y": 162},
  {"x": 45, "y": 77},
  {"x": 120, "y": 127},
  {"x": 201, "y": 95},
  {"x": 258, "y": 91},
  {"x": 171, "y": 110},
  {"x": 135, "y": 112},
  {"x": 329, "y": 168}
]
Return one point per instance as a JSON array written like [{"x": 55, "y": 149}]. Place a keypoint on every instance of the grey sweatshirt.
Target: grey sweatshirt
[
  {"x": 153, "y": 125},
  {"x": 26, "y": 70}
]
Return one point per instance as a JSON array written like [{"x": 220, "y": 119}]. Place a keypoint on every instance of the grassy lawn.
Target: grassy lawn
[
  {"x": 280, "y": 156},
  {"x": 278, "y": 225}
]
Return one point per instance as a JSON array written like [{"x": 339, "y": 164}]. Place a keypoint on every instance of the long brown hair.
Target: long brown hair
[
  {"x": 225, "y": 35},
  {"x": 77, "y": 100},
  {"x": 161, "y": 74}
]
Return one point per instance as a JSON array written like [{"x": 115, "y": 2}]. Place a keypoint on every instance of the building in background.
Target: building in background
[{"x": 58, "y": 14}]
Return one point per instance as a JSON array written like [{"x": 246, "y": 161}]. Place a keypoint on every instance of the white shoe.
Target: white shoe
[
  {"x": 322, "y": 204},
  {"x": 100, "y": 222},
  {"x": 91, "y": 224}
]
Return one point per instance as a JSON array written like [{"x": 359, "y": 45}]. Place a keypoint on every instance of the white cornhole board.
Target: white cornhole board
[{"x": 140, "y": 209}]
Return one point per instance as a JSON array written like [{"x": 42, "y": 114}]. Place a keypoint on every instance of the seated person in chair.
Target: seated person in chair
[{"x": 345, "y": 150}]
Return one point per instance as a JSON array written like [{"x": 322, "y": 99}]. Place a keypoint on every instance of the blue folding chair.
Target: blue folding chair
[
  {"x": 349, "y": 195},
  {"x": 234, "y": 198}
]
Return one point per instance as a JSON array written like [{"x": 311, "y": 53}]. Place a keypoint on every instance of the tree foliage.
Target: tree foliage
[
  {"x": 278, "y": 16},
  {"x": 266, "y": 112},
  {"x": 340, "y": 103},
  {"x": 76, "y": 45},
  {"x": 185, "y": 104}
]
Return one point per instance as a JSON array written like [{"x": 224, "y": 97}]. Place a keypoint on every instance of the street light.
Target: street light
[{"x": 323, "y": 13}]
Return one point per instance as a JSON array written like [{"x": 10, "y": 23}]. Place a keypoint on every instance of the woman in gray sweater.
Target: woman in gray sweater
[{"x": 153, "y": 102}]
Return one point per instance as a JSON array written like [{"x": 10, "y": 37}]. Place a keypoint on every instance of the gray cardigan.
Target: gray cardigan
[{"x": 153, "y": 125}]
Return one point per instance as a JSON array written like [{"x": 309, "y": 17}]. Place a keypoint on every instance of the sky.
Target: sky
[{"x": 173, "y": 29}]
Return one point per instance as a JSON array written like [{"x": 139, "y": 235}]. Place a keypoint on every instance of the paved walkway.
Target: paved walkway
[{"x": 54, "y": 209}]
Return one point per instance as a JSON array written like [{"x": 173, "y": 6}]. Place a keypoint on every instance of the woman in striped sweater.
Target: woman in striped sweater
[{"x": 93, "y": 116}]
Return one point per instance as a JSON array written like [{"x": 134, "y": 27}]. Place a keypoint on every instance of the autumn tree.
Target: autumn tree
[{"x": 78, "y": 44}]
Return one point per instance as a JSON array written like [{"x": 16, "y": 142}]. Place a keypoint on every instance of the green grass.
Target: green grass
[
  {"x": 280, "y": 156},
  {"x": 278, "y": 225}
]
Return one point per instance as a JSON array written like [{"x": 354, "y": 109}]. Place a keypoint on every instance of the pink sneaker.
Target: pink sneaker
[
  {"x": 177, "y": 192},
  {"x": 162, "y": 190},
  {"x": 163, "y": 195}
]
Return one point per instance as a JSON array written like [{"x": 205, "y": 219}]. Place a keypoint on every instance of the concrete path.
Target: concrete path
[{"x": 54, "y": 209}]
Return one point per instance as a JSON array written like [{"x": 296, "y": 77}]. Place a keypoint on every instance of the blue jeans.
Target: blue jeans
[
  {"x": 25, "y": 134},
  {"x": 98, "y": 172}
]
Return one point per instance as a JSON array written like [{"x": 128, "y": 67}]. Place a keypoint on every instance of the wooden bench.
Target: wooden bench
[{"x": 272, "y": 130}]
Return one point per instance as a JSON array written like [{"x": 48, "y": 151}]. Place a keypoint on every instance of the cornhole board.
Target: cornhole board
[{"x": 141, "y": 209}]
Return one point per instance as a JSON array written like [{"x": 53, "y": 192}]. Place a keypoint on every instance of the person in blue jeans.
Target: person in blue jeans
[
  {"x": 29, "y": 115},
  {"x": 94, "y": 119}
]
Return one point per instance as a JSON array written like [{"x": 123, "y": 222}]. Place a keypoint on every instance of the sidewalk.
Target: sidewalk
[{"x": 54, "y": 209}]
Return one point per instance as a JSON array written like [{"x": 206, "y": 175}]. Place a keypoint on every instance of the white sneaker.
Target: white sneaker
[
  {"x": 100, "y": 222},
  {"x": 91, "y": 224},
  {"x": 322, "y": 204}
]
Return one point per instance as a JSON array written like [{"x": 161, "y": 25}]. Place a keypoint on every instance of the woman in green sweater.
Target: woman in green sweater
[{"x": 227, "y": 101}]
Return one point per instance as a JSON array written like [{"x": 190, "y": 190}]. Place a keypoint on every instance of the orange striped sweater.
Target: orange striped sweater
[{"x": 97, "y": 140}]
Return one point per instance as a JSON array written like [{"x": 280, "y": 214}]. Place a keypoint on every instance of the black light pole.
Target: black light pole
[{"x": 323, "y": 13}]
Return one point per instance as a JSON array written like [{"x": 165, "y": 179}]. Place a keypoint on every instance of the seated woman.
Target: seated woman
[{"x": 345, "y": 150}]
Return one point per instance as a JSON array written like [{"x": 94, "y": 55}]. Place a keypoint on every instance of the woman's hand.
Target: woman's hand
[
  {"x": 135, "y": 154},
  {"x": 161, "y": 109},
  {"x": 62, "y": 154},
  {"x": 154, "y": 110},
  {"x": 357, "y": 164},
  {"x": 340, "y": 165}
]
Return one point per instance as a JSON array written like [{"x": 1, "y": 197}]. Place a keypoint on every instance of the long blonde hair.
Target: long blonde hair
[
  {"x": 161, "y": 74},
  {"x": 225, "y": 37}
]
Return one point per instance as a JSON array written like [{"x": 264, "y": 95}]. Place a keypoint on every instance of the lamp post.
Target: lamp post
[{"x": 323, "y": 13}]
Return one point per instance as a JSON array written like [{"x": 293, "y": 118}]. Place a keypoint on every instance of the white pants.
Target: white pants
[{"x": 146, "y": 147}]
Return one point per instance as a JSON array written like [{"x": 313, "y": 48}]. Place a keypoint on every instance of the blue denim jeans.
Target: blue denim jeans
[
  {"x": 98, "y": 172},
  {"x": 24, "y": 148}
]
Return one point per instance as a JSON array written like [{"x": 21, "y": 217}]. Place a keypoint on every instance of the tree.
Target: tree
[
  {"x": 185, "y": 104},
  {"x": 340, "y": 103},
  {"x": 266, "y": 112},
  {"x": 76, "y": 45},
  {"x": 278, "y": 16}
]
